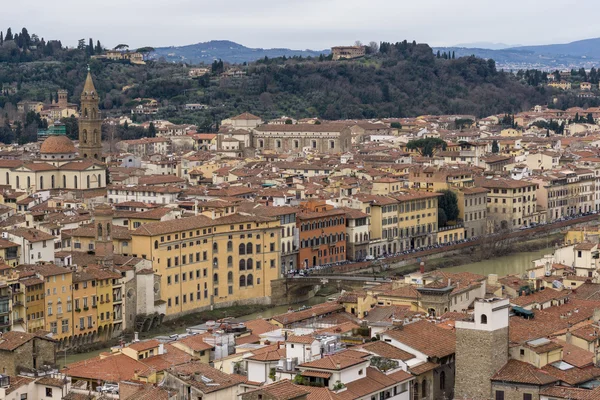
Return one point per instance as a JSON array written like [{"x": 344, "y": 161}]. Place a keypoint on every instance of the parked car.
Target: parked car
[{"x": 108, "y": 388}]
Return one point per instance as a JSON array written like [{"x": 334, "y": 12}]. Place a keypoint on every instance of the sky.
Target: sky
[{"x": 304, "y": 24}]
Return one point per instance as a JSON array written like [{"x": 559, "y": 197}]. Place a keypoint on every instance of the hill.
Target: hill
[
  {"x": 580, "y": 48},
  {"x": 225, "y": 50},
  {"x": 582, "y": 53},
  {"x": 400, "y": 80}
]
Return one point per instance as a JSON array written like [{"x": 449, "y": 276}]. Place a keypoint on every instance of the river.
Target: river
[{"x": 511, "y": 264}]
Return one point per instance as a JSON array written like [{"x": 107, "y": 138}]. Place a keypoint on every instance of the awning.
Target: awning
[{"x": 316, "y": 374}]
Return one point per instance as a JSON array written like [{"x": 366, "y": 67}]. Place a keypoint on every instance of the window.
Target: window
[
  {"x": 424, "y": 388},
  {"x": 48, "y": 392},
  {"x": 483, "y": 319},
  {"x": 442, "y": 380},
  {"x": 499, "y": 394},
  {"x": 527, "y": 396}
]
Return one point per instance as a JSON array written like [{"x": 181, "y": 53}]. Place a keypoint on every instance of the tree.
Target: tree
[
  {"x": 590, "y": 119},
  {"x": 9, "y": 35},
  {"x": 151, "y": 130},
  {"x": 358, "y": 43},
  {"x": 121, "y": 46},
  {"x": 426, "y": 147},
  {"x": 462, "y": 123},
  {"x": 495, "y": 147},
  {"x": 374, "y": 47},
  {"x": 396, "y": 125},
  {"x": 442, "y": 218},
  {"x": 98, "y": 49},
  {"x": 81, "y": 44},
  {"x": 289, "y": 122},
  {"x": 449, "y": 203},
  {"x": 453, "y": 56},
  {"x": 90, "y": 48}
]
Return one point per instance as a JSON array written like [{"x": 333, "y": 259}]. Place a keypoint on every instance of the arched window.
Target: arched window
[
  {"x": 156, "y": 244},
  {"x": 108, "y": 231},
  {"x": 424, "y": 388},
  {"x": 100, "y": 231},
  {"x": 28, "y": 181},
  {"x": 242, "y": 281},
  {"x": 230, "y": 246},
  {"x": 230, "y": 277},
  {"x": 41, "y": 182},
  {"x": 215, "y": 247},
  {"x": 18, "y": 183},
  {"x": 249, "y": 264},
  {"x": 442, "y": 380},
  {"x": 229, "y": 262},
  {"x": 416, "y": 390},
  {"x": 99, "y": 180},
  {"x": 52, "y": 184},
  {"x": 242, "y": 249},
  {"x": 249, "y": 280},
  {"x": 356, "y": 237},
  {"x": 242, "y": 265},
  {"x": 483, "y": 319},
  {"x": 85, "y": 133},
  {"x": 216, "y": 278},
  {"x": 64, "y": 181},
  {"x": 249, "y": 248},
  {"x": 74, "y": 182},
  {"x": 88, "y": 181},
  {"x": 215, "y": 262}
]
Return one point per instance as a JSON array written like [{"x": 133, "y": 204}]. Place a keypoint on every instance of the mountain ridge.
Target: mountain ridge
[{"x": 226, "y": 50}]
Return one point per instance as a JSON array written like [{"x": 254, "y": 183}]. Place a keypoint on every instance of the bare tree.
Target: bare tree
[
  {"x": 374, "y": 46},
  {"x": 358, "y": 43}
]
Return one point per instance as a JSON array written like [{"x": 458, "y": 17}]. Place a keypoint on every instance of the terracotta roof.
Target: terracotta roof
[
  {"x": 196, "y": 342},
  {"x": 375, "y": 381},
  {"x": 426, "y": 338},
  {"x": 423, "y": 368},
  {"x": 304, "y": 339},
  {"x": 57, "y": 145},
  {"x": 336, "y": 361},
  {"x": 145, "y": 345},
  {"x": 316, "y": 374},
  {"x": 218, "y": 380},
  {"x": 384, "y": 349},
  {"x": 282, "y": 390},
  {"x": 113, "y": 368},
  {"x": 11, "y": 340},
  {"x": 31, "y": 234},
  {"x": 315, "y": 311},
  {"x": 515, "y": 371},
  {"x": 570, "y": 393}
]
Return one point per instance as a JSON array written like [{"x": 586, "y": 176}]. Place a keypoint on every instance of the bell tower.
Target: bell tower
[
  {"x": 103, "y": 216},
  {"x": 90, "y": 123}
]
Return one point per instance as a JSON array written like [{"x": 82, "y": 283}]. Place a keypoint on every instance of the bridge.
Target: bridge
[{"x": 295, "y": 289}]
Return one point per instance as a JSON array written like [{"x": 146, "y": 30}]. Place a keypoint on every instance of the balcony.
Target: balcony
[
  {"x": 17, "y": 303},
  {"x": 4, "y": 322},
  {"x": 117, "y": 299}
]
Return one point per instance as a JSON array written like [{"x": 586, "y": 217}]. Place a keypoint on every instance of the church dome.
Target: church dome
[{"x": 57, "y": 145}]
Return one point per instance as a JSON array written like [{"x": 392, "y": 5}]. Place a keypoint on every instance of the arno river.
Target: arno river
[{"x": 512, "y": 264}]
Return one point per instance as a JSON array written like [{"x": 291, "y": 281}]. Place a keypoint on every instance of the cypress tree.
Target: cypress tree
[
  {"x": 1, "y": 38},
  {"x": 9, "y": 35}
]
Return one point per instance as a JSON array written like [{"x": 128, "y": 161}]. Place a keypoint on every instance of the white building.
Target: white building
[{"x": 35, "y": 245}]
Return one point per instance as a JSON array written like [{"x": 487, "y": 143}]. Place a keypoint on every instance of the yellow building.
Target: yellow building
[
  {"x": 33, "y": 307},
  {"x": 205, "y": 262},
  {"x": 434, "y": 179},
  {"x": 585, "y": 234},
  {"x": 58, "y": 282},
  {"x": 400, "y": 221},
  {"x": 85, "y": 309},
  {"x": 357, "y": 304}
]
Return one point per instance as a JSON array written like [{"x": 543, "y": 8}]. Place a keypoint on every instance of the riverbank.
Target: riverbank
[{"x": 468, "y": 256}]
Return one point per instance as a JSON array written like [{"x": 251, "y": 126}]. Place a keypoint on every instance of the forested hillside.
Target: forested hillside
[{"x": 393, "y": 80}]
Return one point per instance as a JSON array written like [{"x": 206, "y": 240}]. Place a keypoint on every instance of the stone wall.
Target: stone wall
[
  {"x": 479, "y": 355},
  {"x": 25, "y": 357},
  {"x": 514, "y": 391}
]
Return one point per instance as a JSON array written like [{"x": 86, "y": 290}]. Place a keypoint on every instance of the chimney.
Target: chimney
[
  {"x": 338, "y": 366},
  {"x": 422, "y": 267},
  {"x": 161, "y": 349},
  {"x": 136, "y": 337},
  {"x": 568, "y": 337}
]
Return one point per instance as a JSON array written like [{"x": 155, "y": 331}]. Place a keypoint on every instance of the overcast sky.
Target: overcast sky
[{"x": 302, "y": 24}]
